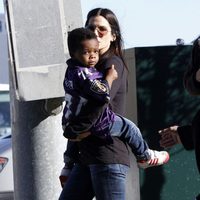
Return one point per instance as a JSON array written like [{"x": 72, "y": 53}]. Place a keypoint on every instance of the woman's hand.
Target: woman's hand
[
  {"x": 169, "y": 137},
  {"x": 63, "y": 180},
  {"x": 64, "y": 175}
]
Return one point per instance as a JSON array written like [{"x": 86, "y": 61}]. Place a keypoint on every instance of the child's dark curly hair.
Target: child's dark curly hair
[{"x": 76, "y": 37}]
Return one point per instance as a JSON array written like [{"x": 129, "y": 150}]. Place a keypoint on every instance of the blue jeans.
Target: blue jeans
[
  {"x": 128, "y": 131},
  {"x": 104, "y": 181}
]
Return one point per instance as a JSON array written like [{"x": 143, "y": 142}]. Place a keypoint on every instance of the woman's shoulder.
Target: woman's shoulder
[
  {"x": 115, "y": 58},
  {"x": 116, "y": 61}
]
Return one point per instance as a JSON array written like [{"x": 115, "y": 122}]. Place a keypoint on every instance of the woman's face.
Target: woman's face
[{"x": 102, "y": 29}]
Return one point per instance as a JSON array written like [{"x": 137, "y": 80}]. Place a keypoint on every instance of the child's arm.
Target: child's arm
[
  {"x": 98, "y": 89},
  {"x": 111, "y": 76},
  {"x": 83, "y": 121}
]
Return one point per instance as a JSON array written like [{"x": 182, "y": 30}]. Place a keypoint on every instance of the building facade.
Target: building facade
[{"x": 3, "y": 51}]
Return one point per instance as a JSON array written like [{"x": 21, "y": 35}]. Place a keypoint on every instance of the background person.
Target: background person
[{"x": 188, "y": 135}]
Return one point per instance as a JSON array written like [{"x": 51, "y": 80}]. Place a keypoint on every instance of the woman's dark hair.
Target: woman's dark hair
[
  {"x": 116, "y": 46},
  {"x": 195, "y": 60},
  {"x": 76, "y": 37}
]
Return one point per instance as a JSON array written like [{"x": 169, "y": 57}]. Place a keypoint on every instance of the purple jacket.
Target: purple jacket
[{"x": 87, "y": 98}]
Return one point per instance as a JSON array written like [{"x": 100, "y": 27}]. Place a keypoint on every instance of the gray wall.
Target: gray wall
[{"x": 38, "y": 45}]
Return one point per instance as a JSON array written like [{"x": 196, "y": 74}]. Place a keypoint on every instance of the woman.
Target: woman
[
  {"x": 188, "y": 135},
  {"x": 103, "y": 165}
]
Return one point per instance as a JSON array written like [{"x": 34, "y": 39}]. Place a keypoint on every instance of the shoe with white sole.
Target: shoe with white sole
[{"x": 156, "y": 158}]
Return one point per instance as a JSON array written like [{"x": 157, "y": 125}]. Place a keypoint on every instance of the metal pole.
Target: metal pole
[{"x": 38, "y": 146}]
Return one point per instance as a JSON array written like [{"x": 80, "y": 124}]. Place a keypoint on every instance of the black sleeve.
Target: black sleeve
[
  {"x": 84, "y": 121},
  {"x": 71, "y": 154},
  {"x": 185, "y": 134},
  {"x": 119, "y": 87},
  {"x": 119, "y": 67}
]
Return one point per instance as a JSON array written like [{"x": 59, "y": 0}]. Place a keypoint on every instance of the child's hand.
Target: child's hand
[{"x": 112, "y": 73}]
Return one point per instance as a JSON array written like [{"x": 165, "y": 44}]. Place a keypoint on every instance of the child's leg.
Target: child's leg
[{"x": 128, "y": 131}]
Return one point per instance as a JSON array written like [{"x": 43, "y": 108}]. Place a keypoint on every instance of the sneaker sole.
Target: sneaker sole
[{"x": 153, "y": 164}]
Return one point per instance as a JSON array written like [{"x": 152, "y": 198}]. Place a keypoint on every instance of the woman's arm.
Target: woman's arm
[
  {"x": 186, "y": 136},
  {"x": 119, "y": 86}
]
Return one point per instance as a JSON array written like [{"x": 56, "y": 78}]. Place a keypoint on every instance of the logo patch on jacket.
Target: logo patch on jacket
[{"x": 99, "y": 87}]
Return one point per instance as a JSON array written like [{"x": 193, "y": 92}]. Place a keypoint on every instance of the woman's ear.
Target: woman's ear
[{"x": 113, "y": 38}]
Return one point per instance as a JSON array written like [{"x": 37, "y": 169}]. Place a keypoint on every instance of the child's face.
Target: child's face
[{"x": 89, "y": 54}]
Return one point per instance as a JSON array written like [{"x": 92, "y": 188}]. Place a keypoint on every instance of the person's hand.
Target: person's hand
[
  {"x": 63, "y": 180},
  {"x": 169, "y": 137},
  {"x": 64, "y": 175},
  {"x": 198, "y": 75},
  {"x": 111, "y": 75}
]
